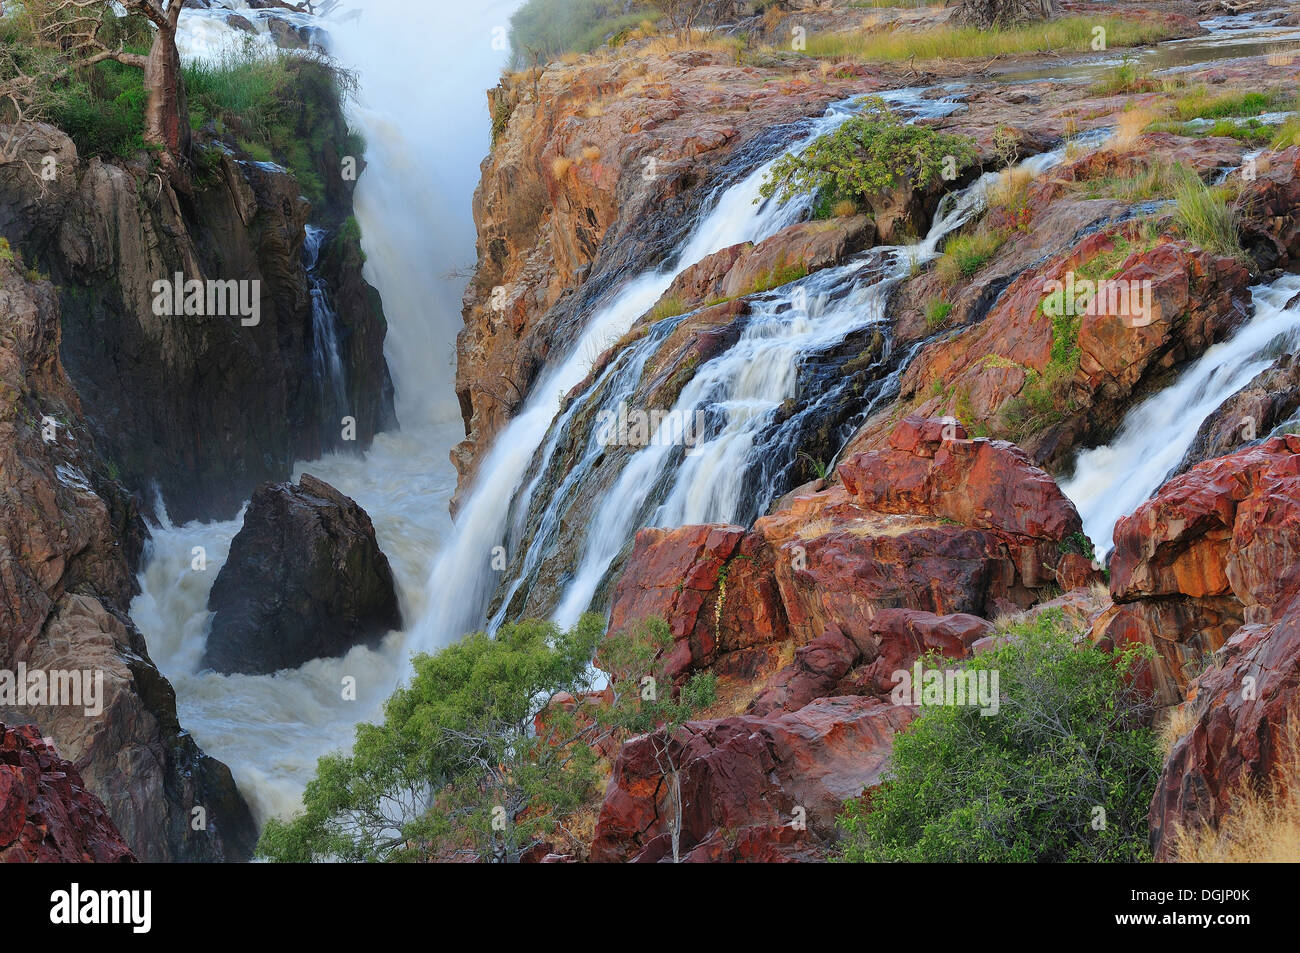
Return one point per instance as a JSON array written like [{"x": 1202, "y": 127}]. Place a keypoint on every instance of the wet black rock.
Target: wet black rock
[{"x": 305, "y": 579}]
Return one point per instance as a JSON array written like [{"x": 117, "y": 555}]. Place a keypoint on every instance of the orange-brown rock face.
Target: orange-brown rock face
[
  {"x": 1216, "y": 547},
  {"x": 612, "y": 152},
  {"x": 937, "y": 523},
  {"x": 852, "y": 584},
  {"x": 68, "y": 534},
  {"x": 46, "y": 813}
]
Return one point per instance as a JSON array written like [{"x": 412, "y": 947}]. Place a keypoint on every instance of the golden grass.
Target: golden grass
[
  {"x": 560, "y": 166},
  {"x": 1262, "y": 826},
  {"x": 1074, "y": 34},
  {"x": 1128, "y": 127},
  {"x": 591, "y": 154},
  {"x": 1178, "y": 722},
  {"x": 1011, "y": 191}
]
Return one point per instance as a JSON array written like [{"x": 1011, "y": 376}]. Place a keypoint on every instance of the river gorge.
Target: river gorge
[{"x": 879, "y": 437}]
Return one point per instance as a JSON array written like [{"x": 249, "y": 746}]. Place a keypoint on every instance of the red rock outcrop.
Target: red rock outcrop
[
  {"x": 857, "y": 581},
  {"x": 936, "y": 522},
  {"x": 46, "y": 813},
  {"x": 983, "y": 374},
  {"x": 1271, "y": 230},
  {"x": 1243, "y": 708},
  {"x": 752, "y": 789},
  {"x": 1216, "y": 547}
]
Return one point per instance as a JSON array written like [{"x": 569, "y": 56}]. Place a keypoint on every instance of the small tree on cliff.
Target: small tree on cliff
[
  {"x": 457, "y": 767},
  {"x": 685, "y": 15},
  {"x": 472, "y": 759},
  {"x": 83, "y": 31}
]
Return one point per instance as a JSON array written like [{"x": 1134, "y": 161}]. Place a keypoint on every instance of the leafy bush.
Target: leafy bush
[
  {"x": 472, "y": 760},
  {"x": 1064, "y": 771},
  {"x": 101, "y": 108},
  {"x": 866, "y": 155}
]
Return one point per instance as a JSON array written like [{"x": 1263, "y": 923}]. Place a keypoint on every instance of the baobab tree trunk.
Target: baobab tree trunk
[{"x": 166, "y": 117}]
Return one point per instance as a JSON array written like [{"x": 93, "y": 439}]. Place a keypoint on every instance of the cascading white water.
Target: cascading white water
[
  {"x": 424, "y": 121},
  {"x": 1111, "y": 481},
  {"x": 746, "y": 386},
  {"x": 464, "y": 568},
  {"x": 327, "y": 365}
]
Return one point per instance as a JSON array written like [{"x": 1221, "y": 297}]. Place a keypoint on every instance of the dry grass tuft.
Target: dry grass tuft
[
  {"x": 1128, "y": 127},
  {"x": 1263, "y": 825}
]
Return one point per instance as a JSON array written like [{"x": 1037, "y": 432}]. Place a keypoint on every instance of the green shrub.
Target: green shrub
[
  {"x": 460, "y": 765},
  {"x": 462, "y": 730},
  {"x": 101, "y": 108},
  {"x": 866, "y": 155},
  {"x": 278, "y": 108},
  {"x": 1064, "y": 770}
]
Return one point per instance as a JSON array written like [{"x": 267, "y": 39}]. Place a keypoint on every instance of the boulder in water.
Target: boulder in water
[{"x": 305, "y": 579}]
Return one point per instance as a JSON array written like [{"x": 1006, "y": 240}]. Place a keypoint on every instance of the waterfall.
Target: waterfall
[
  {"x": 463, "y": 571},
  {"x": 413, "y": 205},
  {"x": 734, "y": 475},
  {"x": 327, "y": 365},
  {"x": 1111, "y": 481}
]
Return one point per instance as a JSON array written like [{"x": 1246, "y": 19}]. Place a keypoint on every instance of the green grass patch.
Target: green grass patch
[
  {"x": 1161, "y": 179},
  {"x": 966, "y": 254},
  {"x": 1289, "y": 133},
  {"x": 1208, "y": 217},
  {"x": 1250, "y": 131},
  {"x": 669, "y": 307},
  {"x": 1127, "y": 77},
  {"x": 276, "y": 108},
  {"x": 1202, "y": 103},
  {"x": 936, "y": 313},
  {"x": 782, "y": 273}
]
